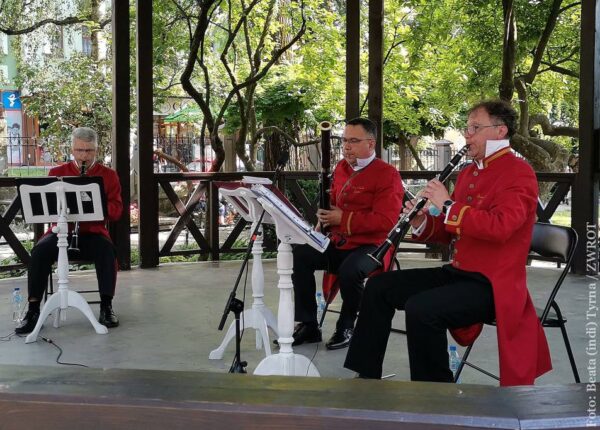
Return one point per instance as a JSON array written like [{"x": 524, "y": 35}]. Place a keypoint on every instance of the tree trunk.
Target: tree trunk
[
  {"x": 506, "y": 87},
  {"x": 412, "y": 148},
  {"x": 95, "y": 5}
]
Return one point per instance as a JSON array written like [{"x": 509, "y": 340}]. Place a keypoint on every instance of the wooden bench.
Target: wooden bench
[{"x": 72, "y": 398}]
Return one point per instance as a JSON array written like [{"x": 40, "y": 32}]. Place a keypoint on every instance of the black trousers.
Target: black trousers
[
  {"x": 94, "y": 247},
  {"x": 434, "y": 300},
  {"x": 351, "y": 266}
]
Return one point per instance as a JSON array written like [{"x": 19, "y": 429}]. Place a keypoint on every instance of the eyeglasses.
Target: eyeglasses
[
  {"x": 84, "y": 151},
  {"x": 472, "y": 129},
  {"x": 354, "y": 140}
]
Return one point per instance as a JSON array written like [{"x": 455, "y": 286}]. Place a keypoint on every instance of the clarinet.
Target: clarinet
[
  {"x": 325, "y": 180},
  {"x": 75, "y": 237},
  {"x": 401, "y": 228}
]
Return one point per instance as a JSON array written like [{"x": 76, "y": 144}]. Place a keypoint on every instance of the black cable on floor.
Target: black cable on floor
[
  {"x": 8, "y": 337},
  {"x": 51, "y": 342},
  {"x": 312, "y": 358}
]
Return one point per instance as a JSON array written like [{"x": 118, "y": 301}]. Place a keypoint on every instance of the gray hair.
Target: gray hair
[{"x": 86, "y": 134}]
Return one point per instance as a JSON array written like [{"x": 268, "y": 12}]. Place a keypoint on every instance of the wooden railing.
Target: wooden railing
[
  {"x": 207, "y": 238},
  {"x": 209, "y": 243}
]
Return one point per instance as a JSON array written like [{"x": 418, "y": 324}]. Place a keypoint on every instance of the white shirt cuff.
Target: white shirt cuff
[
  {"x": 448, "y": 213},
  {"x": 419, "y": 230}
]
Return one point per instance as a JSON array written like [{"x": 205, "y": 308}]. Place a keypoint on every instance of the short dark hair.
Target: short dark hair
[
  {"x": 368, "y": 125},
  {"x": 500, "y": 110}
]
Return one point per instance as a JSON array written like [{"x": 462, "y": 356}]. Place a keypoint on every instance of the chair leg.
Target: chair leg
[
  {"x": 323, "y": 315},
  {"x": 565, "y": 336},
  {"x": 463, "y": 360},
  {"x": 569, "y": 352},
  {"x": 49, "y": 288}
]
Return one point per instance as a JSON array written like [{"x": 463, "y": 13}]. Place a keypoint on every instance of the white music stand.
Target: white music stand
[
  {"x": 48, "y": 204},
  {"x": 290, "y": 228},
  {"x": 259, "y": 317}
]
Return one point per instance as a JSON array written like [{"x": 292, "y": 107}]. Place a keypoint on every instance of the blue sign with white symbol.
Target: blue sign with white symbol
[{"x": 11, "y": 100}]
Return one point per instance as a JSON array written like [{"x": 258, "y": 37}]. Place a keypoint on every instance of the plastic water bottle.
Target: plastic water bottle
[
  {"x": 17, "y": 305},
  {"x": 454, "y": 360},
  {"x": 320, "y": 306}
]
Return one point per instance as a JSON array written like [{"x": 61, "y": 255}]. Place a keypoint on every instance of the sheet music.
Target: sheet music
[
  {"x": 321, "y": 240},
  {"x": 256, "y": 180}
]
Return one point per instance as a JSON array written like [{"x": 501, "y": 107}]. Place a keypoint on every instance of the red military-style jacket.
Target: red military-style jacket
[
  {"x": 112, "y": 190},
  {"x": 491, "y": 223},
  {"x": 370, "y": 199}
]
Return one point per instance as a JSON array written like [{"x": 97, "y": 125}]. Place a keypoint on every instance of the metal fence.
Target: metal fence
[
  {"x": 305, "y": 158},
  {"x": 28, "y": 156}
]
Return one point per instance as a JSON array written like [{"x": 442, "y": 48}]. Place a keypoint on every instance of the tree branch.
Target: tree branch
[
  {"x": 59, "y": 22},
  {"x": 550, "y": 130},
  {"x": 258, "y": 76},
  {"x": 195, "y": 43},
  {"x": 543, "y": 42},
  {"x": 569, "y": 6},
  {"x": 558, "y": 69}
]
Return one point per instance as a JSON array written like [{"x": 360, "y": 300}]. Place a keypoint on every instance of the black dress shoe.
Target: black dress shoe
[
  {"x": 29, "y": 322},
  {"x": 307, "y": 333},
  {"x": 361, "y": 376},
  {"x": 340, "y": 339},
  {"x": 108, "y": 317}
]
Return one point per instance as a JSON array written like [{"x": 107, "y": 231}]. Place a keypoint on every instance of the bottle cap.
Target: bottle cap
[
  {"x": 17, "y": 289},
  {"x": 452, "y": 348}
]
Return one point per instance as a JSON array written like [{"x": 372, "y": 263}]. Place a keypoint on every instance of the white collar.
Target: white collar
[
  {"x": 87, "y": 167},
  {"x": 491, "y": 147},
  {"x": 361, "y": 163}
]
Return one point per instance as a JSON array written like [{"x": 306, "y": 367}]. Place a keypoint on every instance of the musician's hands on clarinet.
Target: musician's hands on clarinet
[
  {"x": 330, "y": 217},
  {"x": 419, "y": 217},
  {"x": 435, "y": 192}
]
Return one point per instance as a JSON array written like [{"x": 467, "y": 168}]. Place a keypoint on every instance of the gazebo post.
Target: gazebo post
[
  {"x": 121, "y": 117},
  {"x": 148, "y": 188},
  {"x": 584, "y": 209},
  {"x": 376, "y": 69},
  {"x": 352, "y": 59}
]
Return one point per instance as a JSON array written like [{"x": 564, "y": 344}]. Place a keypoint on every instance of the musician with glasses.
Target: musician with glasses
[
  {"x": 366, "y": 199},
  {"x": 93, "y": 238},
  {"x": 489, "y": 221}
]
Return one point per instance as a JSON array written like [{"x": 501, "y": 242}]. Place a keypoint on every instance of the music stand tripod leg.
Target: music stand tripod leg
[
  {"x": 76, "y": 300},
  {"x": 52, "y": 303},
  {"x": 217, "y": 354}
]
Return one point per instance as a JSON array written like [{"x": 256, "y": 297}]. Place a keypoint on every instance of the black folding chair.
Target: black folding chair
[
  {"x": 558, "y": 243},
  {"x": 74, "y": 262}
]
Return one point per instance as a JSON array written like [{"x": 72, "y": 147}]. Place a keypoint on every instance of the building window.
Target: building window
[
  {"x": 86, "y": 41},
  {"x": 54, "y": 45}
]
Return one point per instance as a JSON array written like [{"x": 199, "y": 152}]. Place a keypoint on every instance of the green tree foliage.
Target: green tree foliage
[
  {"x": 281, "y": 63},
  {"x": 18, "y": 17},
  {"x": 58, "y": 98},
  {"x": 63, "y": 89}
]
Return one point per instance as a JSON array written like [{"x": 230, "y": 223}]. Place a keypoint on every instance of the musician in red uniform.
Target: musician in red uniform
[
  {"x": 366, "y": 199},
  {"x": 94, "y": 241},
  {"x": 489, "y": 219}
]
